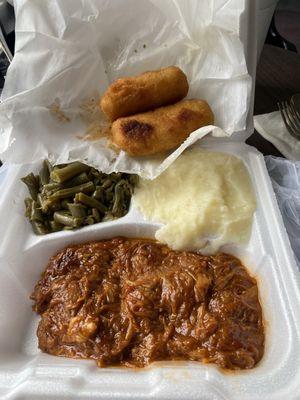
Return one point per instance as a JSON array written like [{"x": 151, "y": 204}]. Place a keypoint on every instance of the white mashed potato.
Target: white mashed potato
[{"x": 204, "y": 199}]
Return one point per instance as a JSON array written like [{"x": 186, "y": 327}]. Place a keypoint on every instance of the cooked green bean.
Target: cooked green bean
[
  {"x": 44, "y": 174},
  {"x": 90, "y": 202},
  {"x": 94, "y": 174},
  {"x": 68, "y": 192},
  {"x": 49, "y": 165},
  {"x": 39, "y": 199},
  {"x": 32, "y": 182},
  {"x": 65, "y": 204},
  {"x": 115, "y": 176},
  {"x": 59, "y": 166},
  {"x": 96, "y": 215},
  {"x": 109, "y": 196},
  {"x": 55, "y": 226},
  {"x": 50, "y": 188},
  {"x": 117, "y": 207},
  {"x": 77, "y": 180},
  {"x": 47, "y": 204},
  {"x": 108, "y": 217},
  {"x": 107, "y": 183},
  {"x": 35, "y": 212},
  {"x": 89, "y": 220},
  {"x": 77, "y": 210},
  {"x": 65, "y": 218},
  {"x": 99, "y": 193},
  {"x": 67, "y": 228},
  {"x": 39, "y": 228},
  {"x": 28, "y": 204},
  {"x": 68, "y": 196},
  {"x": 69, "y": 171}
]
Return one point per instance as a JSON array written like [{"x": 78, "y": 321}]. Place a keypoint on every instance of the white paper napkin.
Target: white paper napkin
[{"x": 272, "y": 128}]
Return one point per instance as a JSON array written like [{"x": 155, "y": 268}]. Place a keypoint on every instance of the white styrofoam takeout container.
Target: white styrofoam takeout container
[{"x": 28, "y": 374}]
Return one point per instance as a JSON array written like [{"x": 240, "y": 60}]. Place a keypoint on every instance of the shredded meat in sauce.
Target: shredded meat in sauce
[{"x": 135, "y": 301}]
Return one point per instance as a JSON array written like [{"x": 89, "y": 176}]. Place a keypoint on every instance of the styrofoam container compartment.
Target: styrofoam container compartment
[{"x": 28, "y": 374}]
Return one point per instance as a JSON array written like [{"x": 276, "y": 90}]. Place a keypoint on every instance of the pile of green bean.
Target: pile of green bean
[{"x": 69, "y": 196}]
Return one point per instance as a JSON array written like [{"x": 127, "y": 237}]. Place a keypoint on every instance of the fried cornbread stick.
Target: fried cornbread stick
[
  {"x": 162, "y": 129},
  {"x": 150, "y": 90}
]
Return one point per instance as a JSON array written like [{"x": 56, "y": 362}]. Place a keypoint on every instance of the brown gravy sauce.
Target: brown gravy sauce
[{"x": 134, "y": 301}]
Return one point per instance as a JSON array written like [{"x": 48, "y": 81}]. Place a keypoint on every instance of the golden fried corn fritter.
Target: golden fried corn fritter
[
  {"x": 162, "y": 129},
  {"x": 150, "y": 90}
]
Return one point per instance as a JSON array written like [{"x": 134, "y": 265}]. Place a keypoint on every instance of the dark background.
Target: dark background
[
  {"x": 278, "y": 68},
  {"x": 287, "y": 18}
]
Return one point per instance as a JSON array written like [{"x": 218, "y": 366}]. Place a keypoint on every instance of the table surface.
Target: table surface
[{"x": 277, "y": 78}]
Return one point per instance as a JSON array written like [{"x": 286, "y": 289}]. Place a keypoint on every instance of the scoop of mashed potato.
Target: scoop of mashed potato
[{"x": 204, "y": 200}]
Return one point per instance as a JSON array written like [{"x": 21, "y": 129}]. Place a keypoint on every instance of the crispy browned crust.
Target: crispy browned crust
[
  {"x": 128, "y": 96},
  {"x": 162, "y": 129}
]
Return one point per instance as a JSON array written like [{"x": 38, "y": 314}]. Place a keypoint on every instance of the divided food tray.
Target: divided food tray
[{"x": 27, "y": 373}]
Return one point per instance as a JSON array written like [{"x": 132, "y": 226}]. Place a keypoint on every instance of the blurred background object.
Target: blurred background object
[
  {"x": 7, "y": 38},
  {"x": 287, "y": 21},
  {"x": 284, "y": 27},
  {"x": 278, "y": 67},
  {"x": 277, "y": 28},
  {"x": 7, "y": 23},
  {"x": 279, "y": 24},
  {"x": 265, "y": 14}
]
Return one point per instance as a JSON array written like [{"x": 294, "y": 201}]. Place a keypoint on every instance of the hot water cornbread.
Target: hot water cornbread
[
  {"x": 148, "y": 115},
  {"x": 163, "y": 129},
  {"x": 152, "y": 89}
]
